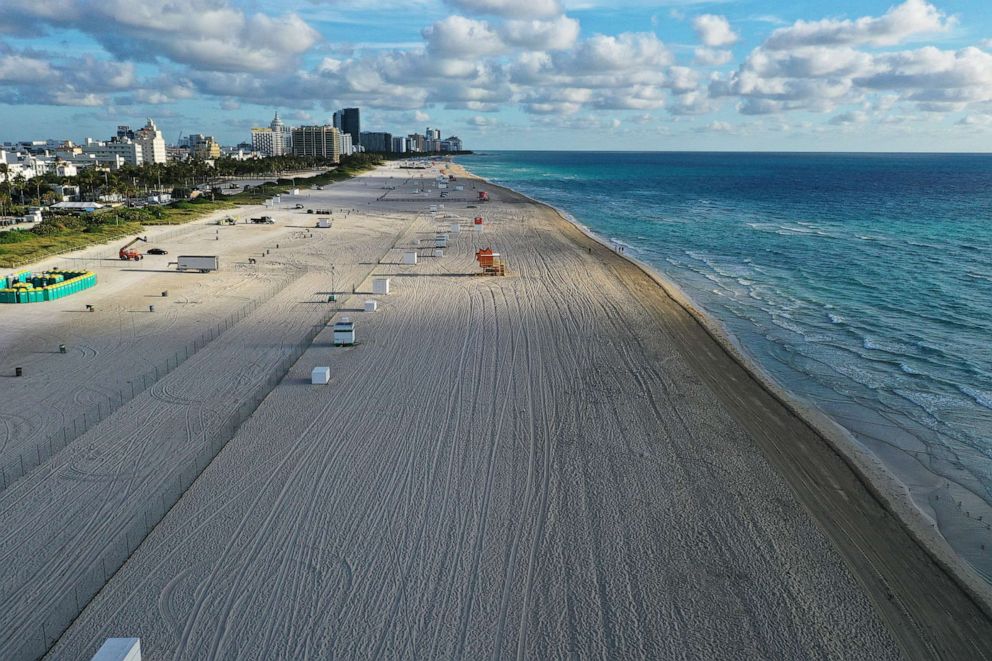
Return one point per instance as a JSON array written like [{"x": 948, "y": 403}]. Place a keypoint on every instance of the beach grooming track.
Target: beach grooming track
[{"x": 541, "y": 465}]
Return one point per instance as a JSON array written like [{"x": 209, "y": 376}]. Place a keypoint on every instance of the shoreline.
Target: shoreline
[
  {"x": 874, "y": 476},
  {"x": 514, "y": 490}
]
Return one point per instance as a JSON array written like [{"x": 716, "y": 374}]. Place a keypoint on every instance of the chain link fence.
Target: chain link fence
[
  {"x": 14, "y": 468},
  {"x": 36, "y": 643}
]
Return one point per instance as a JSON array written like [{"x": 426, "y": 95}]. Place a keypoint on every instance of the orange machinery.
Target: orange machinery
[{"x": 131, "y": 255}]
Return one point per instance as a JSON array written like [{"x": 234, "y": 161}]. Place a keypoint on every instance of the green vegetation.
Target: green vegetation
[{"x": 63, "y": 232}]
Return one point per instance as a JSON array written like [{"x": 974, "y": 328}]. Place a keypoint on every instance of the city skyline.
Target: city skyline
[{"x": 683, "y": 74}]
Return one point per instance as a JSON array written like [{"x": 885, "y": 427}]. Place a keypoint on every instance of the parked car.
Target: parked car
[{"x": 157, "y": 251}]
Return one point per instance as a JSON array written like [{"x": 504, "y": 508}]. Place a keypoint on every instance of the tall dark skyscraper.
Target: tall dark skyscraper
[{"x": 348, "y": 121}]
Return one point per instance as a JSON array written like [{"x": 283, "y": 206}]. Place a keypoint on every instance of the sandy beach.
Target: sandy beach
[{"x": 562, "y": 462}]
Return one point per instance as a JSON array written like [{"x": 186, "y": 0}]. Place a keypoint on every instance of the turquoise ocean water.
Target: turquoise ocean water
[{"x": 861, "y": 283}]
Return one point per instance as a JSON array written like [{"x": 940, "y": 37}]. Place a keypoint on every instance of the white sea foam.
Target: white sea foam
[{"x": 981, "y": 397}]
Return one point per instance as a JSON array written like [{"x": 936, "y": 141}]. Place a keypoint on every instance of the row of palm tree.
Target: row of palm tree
[{"x": 131, "y": 181}]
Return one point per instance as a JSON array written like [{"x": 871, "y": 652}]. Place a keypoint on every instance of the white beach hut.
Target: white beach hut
[
  {"x": 320, "y": 376},
  {"x": 344, "y": 333},
  {"x": 380, "y": 286},
  {"x": 410, "y": 257},
  {"x": 371, "y": 306}
]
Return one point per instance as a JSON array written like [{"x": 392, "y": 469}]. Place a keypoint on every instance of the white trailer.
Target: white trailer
[{"x": 202, "y": 263}]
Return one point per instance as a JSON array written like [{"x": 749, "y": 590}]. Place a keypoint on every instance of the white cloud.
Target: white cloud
[
  {"x": 206, "y": 34},
  {"x": 714, "y": 31},
  {"x": 849, "y": 118},
  {"x": 711, "y": 57},
  {"x": 510, "y": 8},
  {"x": 458, "y": 36},
  {"x": 557, "y": 34},
  {"x": 912, "y": 17},
  {"x": 824, "y": 65}
]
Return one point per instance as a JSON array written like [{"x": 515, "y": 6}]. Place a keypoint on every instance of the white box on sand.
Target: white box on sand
[
  {"x": 344, "y": 333},
  {"x": 477, "y": 228},
  {"x": 320, "y": 376},
  {"x": 439, "y": 252},
  {"x": 371, "y": 306},
  {"x": 119, "y": 649},
  {"x": 380, "y": 286},
  {"x": 409, "y": 258},
  {"x": 455, "y": 228}
]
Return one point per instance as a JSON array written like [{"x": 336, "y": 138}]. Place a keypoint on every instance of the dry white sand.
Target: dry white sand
[{"x": 551, "y": 464}]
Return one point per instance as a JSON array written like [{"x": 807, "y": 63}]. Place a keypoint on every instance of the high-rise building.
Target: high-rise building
[
  {"x": 203, "y": 146},
  {"x": 320, "y": 141},
  {"x": 374, "y": 141},
  {"x": 399, "y": 145},
  {"x": 273, "y": 141},
  {"x": 347, "y": 148},
  {"x": 348, "y": 120},
  {"x": 415, "y": 142},
  {"x": 453, "y": 143},
  {"x": 126, "y": 151},
  {"x": 152, "y": 142}
]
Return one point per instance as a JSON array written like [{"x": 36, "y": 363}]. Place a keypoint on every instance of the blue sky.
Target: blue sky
[{"x": 914, "y": 75}]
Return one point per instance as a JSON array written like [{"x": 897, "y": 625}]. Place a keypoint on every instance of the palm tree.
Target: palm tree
[{"x": 5, "y": 171}]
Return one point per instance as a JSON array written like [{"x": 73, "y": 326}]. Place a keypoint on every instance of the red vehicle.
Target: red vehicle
[
  {"x": 483, "y": 196},
  {"x": 131, "y": 255}
]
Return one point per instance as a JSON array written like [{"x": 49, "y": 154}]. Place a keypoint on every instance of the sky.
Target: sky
[{"x": 820, "y": 75}]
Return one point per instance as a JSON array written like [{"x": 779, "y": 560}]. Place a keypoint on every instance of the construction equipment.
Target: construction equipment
[
  {"x": 131, "y": 255},
  {"x": 483, "y": 196},
  {"x": 263, "y": 220},
  {"x": 490, "y": 262},
  {"x": 227, "y": 221}
]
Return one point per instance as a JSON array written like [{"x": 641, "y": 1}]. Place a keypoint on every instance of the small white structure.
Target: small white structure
[
  {"x": 433, "y": 208},
  {"x": 438, "y": 252},
  {"x": 380, "y": 286},
  {"x": 320, "y": 376},
  {"x": 371, "y": 306},
  {"x": 477, "y": 228},
  {"x": 441, "y": 241},
  {"x": 324, "y": 223},
  {"x": 119, "y": 649},
  {"x": 454, "y": 228},
  {"x": 410, "y": 257},
  {"x": 33, "y": 216},
  {"x": 459, "y": 188},
  {"x": 344, "y": 333}
]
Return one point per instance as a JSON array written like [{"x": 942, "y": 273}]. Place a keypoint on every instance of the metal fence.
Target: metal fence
[
  {"x": 35, "y": 643},
  {"x": 14, "y": 468}
]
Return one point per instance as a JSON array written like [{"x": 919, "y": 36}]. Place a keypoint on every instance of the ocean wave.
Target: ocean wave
[
  {"x": 981, "y": 397},
  {"x": 836, "y": 318}
]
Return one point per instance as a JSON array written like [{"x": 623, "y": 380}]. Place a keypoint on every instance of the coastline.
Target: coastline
[
  {"x": 559, "y": 474},
  {"x": 872, "y": 474}
]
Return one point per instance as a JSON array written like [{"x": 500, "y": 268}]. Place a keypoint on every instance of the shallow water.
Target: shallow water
[{"x": 861, "y": 282}]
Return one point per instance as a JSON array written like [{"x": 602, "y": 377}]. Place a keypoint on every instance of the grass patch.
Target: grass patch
[
  {"x": 58, "y": 234},
  {"x": 38, "y": 246}
]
